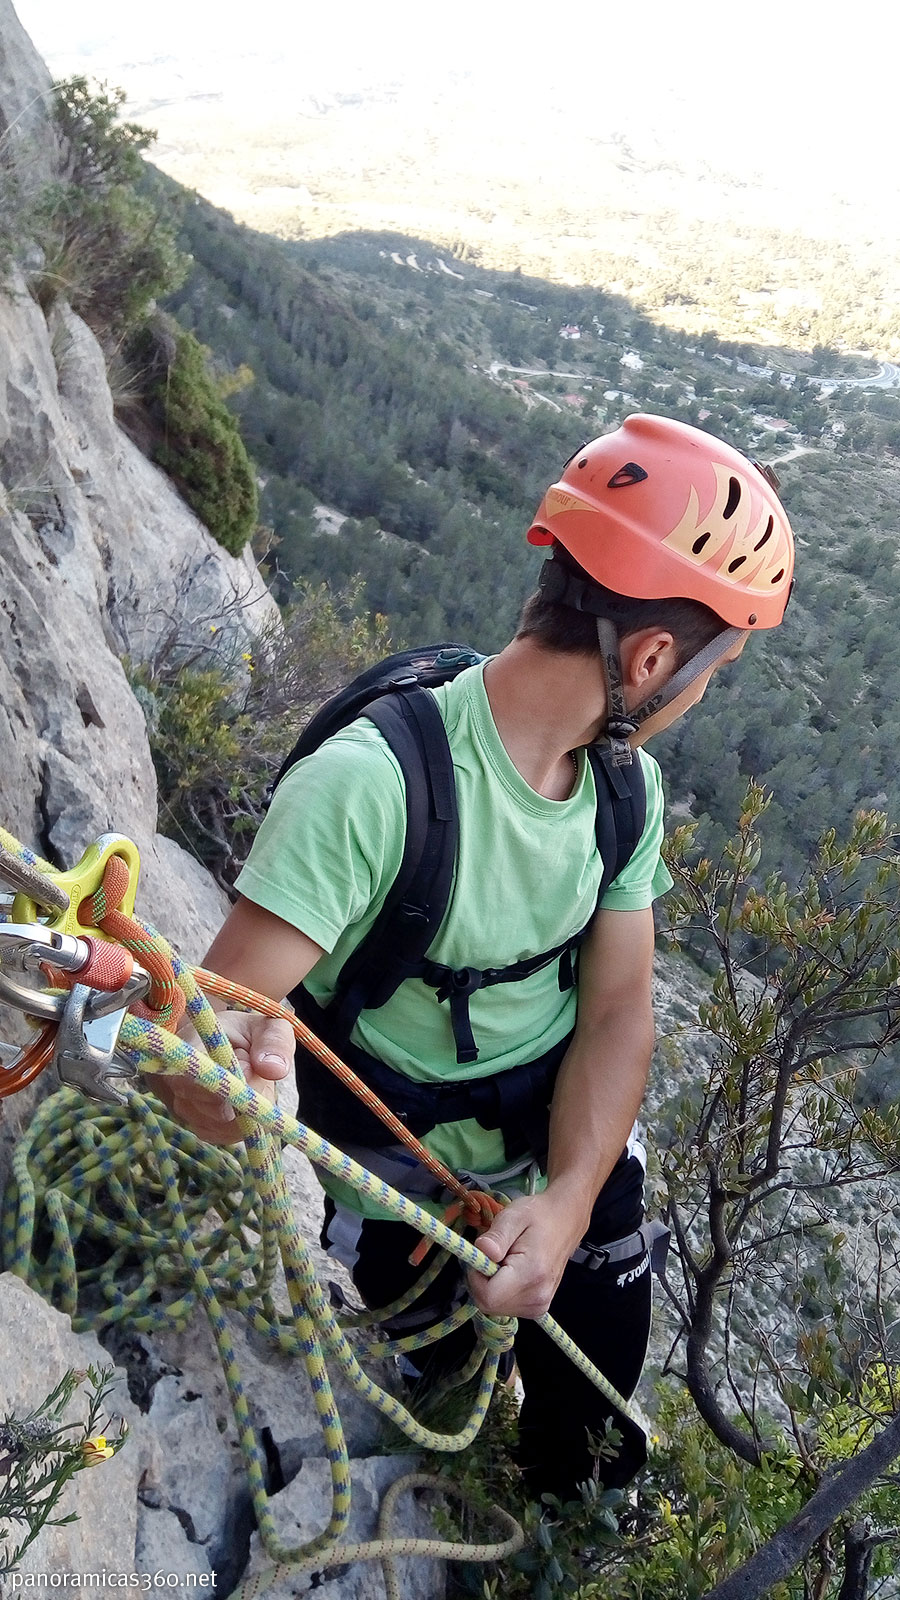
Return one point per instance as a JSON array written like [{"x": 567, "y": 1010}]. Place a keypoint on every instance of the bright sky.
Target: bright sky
[{"x": 790, "y": 86}]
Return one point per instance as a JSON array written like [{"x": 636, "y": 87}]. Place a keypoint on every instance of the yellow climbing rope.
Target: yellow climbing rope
[{"x": 68, "y": 1153}]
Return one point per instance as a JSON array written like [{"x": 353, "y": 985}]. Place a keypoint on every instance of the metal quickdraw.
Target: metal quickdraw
[
  {"x": 41, "y": 959},
  {"x": 81, "y": 1026}
]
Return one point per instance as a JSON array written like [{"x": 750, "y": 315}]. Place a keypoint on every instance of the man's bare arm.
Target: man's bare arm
[{"x": 598, "y": 1095}]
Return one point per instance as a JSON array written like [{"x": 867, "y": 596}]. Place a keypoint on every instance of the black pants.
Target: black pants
[{"x": 605, "y": 1310}]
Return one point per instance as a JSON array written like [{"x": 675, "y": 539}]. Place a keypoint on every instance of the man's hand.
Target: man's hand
[
  {"x": 264, "y": 1050},
  {"x": 532, "y": 1240},
  {"x": 256, "y": 949}
]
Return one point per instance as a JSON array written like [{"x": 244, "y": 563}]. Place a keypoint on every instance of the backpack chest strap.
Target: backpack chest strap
[{"x": 457, "y": 984}]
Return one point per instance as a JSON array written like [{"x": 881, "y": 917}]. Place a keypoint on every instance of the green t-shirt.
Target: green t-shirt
[{"x": 527, "y": 876}]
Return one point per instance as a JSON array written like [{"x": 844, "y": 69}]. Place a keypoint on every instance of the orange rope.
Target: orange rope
[
  {"x": 165, "y": 1002},
  {"x": 475, "y": 1208}
]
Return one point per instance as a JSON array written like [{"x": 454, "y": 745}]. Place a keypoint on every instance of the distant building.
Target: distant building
[
  {"x": 570, "y": 331},
  {"x": 632, "y": 360},
  {"x": 774, "y": 424}
]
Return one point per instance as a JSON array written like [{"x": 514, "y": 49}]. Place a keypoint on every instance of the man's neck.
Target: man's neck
[{"x": 545, "y": 704}]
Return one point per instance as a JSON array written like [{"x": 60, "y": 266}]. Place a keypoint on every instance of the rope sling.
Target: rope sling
[{"x": 74, "y": 1165}]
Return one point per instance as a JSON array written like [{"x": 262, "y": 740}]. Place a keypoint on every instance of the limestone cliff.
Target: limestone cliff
[{"x": 98, "y": 556}]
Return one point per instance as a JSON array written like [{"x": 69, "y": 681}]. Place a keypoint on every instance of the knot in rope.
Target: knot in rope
[
  {"x": 495, "y": 1333},
  {"x": 165, "y": 1000},
  {"x": 475, "y": 1210}
]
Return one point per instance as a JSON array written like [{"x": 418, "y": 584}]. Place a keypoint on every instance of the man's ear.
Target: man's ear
[{"x": 649, "y": 658}]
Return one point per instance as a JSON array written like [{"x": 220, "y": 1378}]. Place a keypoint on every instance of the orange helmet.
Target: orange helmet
[{"x": 660, "y": 510}]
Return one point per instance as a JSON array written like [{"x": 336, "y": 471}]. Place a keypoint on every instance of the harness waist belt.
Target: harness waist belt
[
  {"x": 650, "y": 1236},
  {"x": 514, "y": 1101}
]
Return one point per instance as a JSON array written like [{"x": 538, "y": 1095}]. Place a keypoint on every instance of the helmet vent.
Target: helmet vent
[
  {"x": 698, "y": 544},
  {"x": 767, "y": 535},
  {"x": 630, "y": 473},
  {"x": 734, "y": 495},
  {"x": 779, "y": 575},
  {"x": 737, "y": 562}
]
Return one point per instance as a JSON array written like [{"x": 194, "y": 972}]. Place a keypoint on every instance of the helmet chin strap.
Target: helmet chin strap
[{"x": 621, "y": 722}]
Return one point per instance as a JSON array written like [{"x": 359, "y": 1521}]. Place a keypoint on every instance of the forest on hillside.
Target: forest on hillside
[{"x": 388, "y": 391}]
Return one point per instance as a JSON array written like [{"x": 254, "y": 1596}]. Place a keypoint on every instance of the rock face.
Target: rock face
[
  {"x": 26, "y": 142},
  {"x": 98, "y": 558},
  {"x": 303, "y": 1509},
  {"x": 175, "y": 1499},
  {"x": 101, "y": 563}
]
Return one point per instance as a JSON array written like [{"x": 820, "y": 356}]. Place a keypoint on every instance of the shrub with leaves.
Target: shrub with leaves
[
  {"x": 41, "y": 1453},
  {"x": 105, "y": 245},
  {"x": 767, "y": 1137},
  {"x": 198, "y": 442},
  {"x": 221, "y": 718},
  {"x": 784, "y": 1320}
]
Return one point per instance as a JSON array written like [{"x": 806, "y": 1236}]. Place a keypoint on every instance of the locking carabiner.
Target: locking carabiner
[{"x": 27, "y": 948}]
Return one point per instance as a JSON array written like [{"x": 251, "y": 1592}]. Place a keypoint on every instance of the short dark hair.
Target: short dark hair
[{"x": 561, "y": 627}]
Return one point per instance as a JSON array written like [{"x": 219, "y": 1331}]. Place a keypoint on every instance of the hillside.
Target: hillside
[{"x": 429, "y": 401}]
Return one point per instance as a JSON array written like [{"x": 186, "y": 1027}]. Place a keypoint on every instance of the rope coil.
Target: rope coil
[{"x": 67, "y": 1156}]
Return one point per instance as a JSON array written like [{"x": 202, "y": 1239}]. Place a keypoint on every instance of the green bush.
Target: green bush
[
  {"x": 222, "y": 712},
  {"x": 104, "y": 244},
  {"x": 198, "y": 443}
]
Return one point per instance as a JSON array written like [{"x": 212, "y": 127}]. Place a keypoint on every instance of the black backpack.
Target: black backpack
[{"x": 393, "y": 695}]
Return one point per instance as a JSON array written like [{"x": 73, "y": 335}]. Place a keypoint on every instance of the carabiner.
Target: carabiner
[
  {"x": 24, "y": 948},
  {"x": 33, "y": 948},
  {"x": 29, "y": 1062}
]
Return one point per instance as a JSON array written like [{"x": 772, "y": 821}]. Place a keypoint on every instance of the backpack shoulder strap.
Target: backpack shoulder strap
[
  {"x": 411, "y": 723},
  {"x": 621, "y": 811}
]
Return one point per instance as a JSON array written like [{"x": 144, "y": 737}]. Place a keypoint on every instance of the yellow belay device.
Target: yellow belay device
[{"x": 107, "y": 991}]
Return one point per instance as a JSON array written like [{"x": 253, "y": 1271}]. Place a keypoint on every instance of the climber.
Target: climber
[{"x": 666, "y": 550}]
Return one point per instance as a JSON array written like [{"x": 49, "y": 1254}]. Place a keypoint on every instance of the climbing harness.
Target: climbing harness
[{"x": 108, "y": 1021}]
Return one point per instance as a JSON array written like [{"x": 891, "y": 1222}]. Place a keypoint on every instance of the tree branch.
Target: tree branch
[{"x": 781, "y": 1555}]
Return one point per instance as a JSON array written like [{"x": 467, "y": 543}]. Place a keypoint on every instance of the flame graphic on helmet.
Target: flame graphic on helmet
[{"x": 738, "y": 538}]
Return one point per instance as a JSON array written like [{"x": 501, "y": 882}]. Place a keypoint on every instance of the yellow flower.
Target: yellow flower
[{"x": 96, "y": 1450}]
